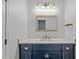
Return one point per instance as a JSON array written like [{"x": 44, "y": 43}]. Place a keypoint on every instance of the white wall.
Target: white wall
[
  {"x": 70, "y": 17},
  {"x": 32, "y": 33}
]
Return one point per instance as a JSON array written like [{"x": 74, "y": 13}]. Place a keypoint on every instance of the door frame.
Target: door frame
[{"x": 4, "y": 21}]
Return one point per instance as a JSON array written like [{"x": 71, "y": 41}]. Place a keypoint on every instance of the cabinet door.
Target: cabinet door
[
  {"x": 46, "y": 55},
  {"x": 68, "y": 51},
  {"x": 67, "y": 55},
  {"x": 25, "y": 51},
  {"x": 25, "y": 55}
]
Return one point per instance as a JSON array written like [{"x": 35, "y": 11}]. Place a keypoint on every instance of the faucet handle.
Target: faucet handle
[
  {"x": 48, "y": 37},
  {"x": 45, "y": 37}
]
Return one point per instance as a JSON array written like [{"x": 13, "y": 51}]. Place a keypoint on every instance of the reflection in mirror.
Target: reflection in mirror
[
  {"x": 41, "y": 24},
  {"x": 46, "y": 23}
]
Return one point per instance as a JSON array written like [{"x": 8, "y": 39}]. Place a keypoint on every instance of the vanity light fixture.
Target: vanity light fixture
[
  {"x": 46, "y": 5},
  {"x": 45, "y": 8},
  {"x": 37, "y": 7},
  {"x": 42, "y": 6}
]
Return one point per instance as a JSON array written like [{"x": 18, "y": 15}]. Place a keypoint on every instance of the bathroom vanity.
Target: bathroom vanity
[
  {"x": 47, "y": 51},
  {"x": 36, "y": 49}
]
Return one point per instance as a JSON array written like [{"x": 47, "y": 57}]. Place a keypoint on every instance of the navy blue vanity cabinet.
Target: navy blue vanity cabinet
[
  {"x": 46, "y": 51},
  {"x": 68, "y": 51},
  {"x": 42, "y": 51},
  {"x": 25, "y": 51}
]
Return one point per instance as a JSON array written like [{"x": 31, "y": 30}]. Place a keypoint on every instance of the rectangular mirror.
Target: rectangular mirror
[{"x": 46, "y": 23}]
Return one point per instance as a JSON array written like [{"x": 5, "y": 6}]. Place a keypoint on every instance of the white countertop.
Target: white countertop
[{"x": 47, "y": 41}]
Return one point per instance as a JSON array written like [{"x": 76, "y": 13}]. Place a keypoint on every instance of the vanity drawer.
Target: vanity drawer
[
  {"x": 46, "y": 47},
  {"x": 25, "y": 47},
  {"x": 47, "y": 55},
  {"x": 67, "y": 47}
]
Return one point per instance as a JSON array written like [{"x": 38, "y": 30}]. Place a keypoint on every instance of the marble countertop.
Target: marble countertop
[{"x": 47, "y": 41}]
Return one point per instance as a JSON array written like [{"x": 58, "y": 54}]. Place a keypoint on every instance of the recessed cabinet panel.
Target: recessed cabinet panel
[
  {"x": 47, "y": 55},
  {"x": 67, "y": 55},
  {"x": 25, "y": 55}
]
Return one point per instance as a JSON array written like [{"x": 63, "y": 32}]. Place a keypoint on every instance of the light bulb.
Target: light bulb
[
  {"x": 37, "y": 7},
  {"x": 42, "y": 7},
  {"x": 48, "y": 7},
  {"x": 54, "y": 7}
]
